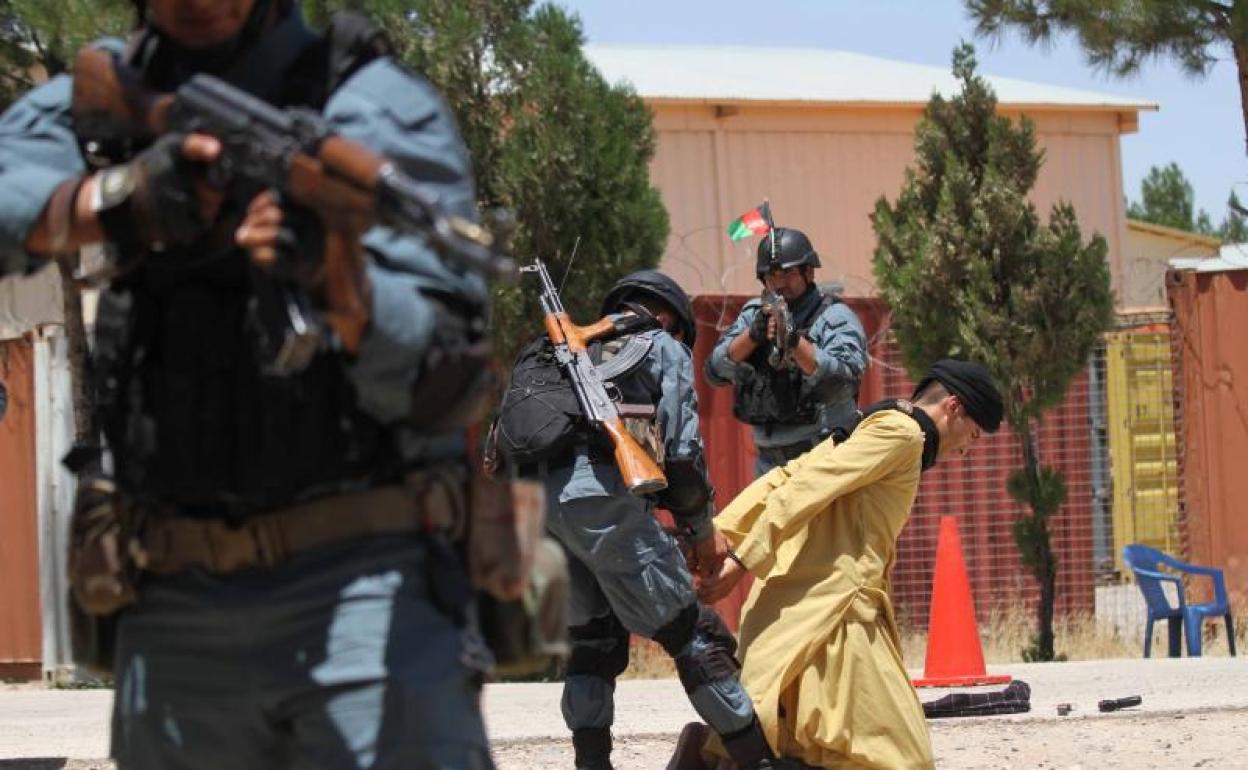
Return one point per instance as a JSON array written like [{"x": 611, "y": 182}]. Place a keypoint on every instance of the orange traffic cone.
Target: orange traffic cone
[{"x": 954, "y": 655}]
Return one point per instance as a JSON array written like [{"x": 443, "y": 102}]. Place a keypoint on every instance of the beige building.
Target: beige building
[
  {"x": 823, "y": 134},
  {"x": 1149, "y": 251}
]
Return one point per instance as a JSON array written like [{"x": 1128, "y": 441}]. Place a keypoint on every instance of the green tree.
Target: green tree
[
  {"x": 40, "y": 38},
  {"x": 969, "y": 270},
  {"x": 1118, "y": 36},
  {"x": 1234, "y": 227},
  {"x": 39, "y": 41},
  {"x": 1166, "y": 198},
  {"x": 550, "y": 140}
]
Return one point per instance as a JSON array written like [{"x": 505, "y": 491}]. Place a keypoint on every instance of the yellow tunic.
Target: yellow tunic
[{"x": 819, "y": 641}]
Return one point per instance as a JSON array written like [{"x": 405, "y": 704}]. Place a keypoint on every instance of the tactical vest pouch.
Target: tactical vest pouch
[
  {"x": 522, "y": 577},
  {"x": 505, "y": 522},
  {"x": 456, "y": 383},
  {"x": 527, "y": 635},
  {"x": 641, "y": 422},
  {"x": 103, "y": 575},
  {"x": 766, "y": 396}
]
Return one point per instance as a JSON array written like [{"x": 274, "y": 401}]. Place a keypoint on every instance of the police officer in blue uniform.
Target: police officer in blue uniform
[
  {"x": 627, "y": 574},
  {"x": 301, "y": 603},
  {"x": 796, "y": 403}
]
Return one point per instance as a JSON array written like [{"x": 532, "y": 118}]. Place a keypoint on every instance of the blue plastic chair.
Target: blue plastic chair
[{"x": 1145, "y": 563}]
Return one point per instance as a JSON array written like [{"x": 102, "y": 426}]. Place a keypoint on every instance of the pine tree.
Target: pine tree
[
  {"x": 40, "y": 38},
  {"x": 1118, "y": 36},
  {"x": 969, "y": 270},
  {"x": 550, "y": 140},
  {"x": 1234, "y": 227},
  {"x": 1167, "y": 198}
]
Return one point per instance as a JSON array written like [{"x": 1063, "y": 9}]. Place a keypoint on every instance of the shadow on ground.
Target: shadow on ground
[{"x": 55, "y": 763}]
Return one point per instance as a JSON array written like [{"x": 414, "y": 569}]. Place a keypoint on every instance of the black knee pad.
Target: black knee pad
[
  {"x": 599, "y": 648},
  {"x": 679, "y": 630},
  {"x": 711, "y": 657}
]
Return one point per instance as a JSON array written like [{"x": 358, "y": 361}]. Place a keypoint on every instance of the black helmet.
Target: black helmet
[
  {"x": 658, "y": 285},
  {"x": 792, "y": 249}
]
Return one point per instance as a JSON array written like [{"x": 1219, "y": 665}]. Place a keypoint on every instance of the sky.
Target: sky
[{"x": 1199, "y": 125}]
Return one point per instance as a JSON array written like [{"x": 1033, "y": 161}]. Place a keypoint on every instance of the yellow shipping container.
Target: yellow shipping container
[{"x": 1141, "y": 440}]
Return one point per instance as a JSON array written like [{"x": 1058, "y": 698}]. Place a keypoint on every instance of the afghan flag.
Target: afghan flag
[{"x": 756, "y": 221}]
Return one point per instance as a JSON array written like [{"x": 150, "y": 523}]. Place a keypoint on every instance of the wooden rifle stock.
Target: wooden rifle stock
[{"x": 641, "y": 474}]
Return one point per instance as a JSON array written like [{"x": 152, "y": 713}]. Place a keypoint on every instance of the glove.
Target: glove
[
  {"x": 758, "y": 326},
  {"x": 152, "y": 201},
  {"x": 300, "y": 246}
]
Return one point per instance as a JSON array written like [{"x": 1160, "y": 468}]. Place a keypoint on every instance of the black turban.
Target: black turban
[{"x": 972, "y": 384}]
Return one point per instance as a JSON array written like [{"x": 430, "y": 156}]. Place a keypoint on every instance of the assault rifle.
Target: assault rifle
[
  {"x": 781, "y": 354},
  {"x": 350, "y": 187},
  {"x": 641, "y": 474}
]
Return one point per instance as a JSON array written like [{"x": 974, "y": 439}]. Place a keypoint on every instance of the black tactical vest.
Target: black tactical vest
[
  {"x": 763, "y": 395},
  {"x": 187, "y": 411}
]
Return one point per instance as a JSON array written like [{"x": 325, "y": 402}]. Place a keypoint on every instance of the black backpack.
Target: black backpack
[{"x": 539, "y": 417}]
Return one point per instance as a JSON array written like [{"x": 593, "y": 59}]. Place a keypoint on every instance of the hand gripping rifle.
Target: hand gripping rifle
[
  {"x": 641, "y": 474},
  {"x": 781, "y": 354},
  {"x": 350, "y": 187}
]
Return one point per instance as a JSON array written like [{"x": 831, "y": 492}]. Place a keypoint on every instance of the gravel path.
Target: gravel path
[{"x": 1194, "y": 714}]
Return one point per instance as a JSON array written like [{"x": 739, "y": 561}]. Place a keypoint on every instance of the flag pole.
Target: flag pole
[{"x": 771, "y": 227}]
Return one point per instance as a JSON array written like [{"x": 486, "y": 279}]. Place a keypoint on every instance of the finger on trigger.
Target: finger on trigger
[
  {"x": 264, "y": 200},
  {"x": 201, "y": 147},
  {"x": 253, "y": 235}
]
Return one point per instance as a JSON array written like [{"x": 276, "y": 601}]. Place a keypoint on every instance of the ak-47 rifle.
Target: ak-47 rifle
[
  {"x": 641, "y": 474},
  {"x": 350, "y": 187},
  {"x": 781, "y": 354}
]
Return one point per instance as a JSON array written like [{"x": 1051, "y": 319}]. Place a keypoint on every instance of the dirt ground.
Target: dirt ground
[
  {"x": 1194, "y": 714},
  {"x": 1206, "y": 740}
]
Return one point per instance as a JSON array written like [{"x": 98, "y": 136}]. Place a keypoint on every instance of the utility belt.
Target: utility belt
[
  {"x": 779, "y": 455},
  {"x": 114, "y": 540},
  {"x": 169, "y": 544}
]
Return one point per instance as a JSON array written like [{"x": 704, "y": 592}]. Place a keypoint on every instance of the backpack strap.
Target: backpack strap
[
  {"x": 349, "y": 43},
  {"x": 354, "y": 40}
]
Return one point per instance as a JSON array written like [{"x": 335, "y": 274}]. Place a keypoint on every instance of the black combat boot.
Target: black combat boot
[
  {"x": 748, "y": 748},
  {"x": 593, "y": 748}
]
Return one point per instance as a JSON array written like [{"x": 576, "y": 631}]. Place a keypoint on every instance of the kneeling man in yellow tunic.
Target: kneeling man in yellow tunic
[{"x": 819, "y": 644}]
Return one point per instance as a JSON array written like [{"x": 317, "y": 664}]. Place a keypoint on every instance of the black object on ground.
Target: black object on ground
[
  {"x": 1113, "y": 704},
  {"x": 1014, "y": 699}
]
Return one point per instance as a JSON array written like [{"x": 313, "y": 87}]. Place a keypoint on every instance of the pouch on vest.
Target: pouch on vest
[
  {"x": 103, "y": 575},
  {"x": 527, "y": 635},
  {"x": 764, "y": 395}
]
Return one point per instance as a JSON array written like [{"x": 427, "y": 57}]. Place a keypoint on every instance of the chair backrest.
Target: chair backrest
[{"x": 1139, "y": 557}]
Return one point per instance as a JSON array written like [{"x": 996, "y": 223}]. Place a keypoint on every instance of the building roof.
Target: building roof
[
  {"x": 1232, "y": 256},
  {"x": 1208, "y": 241},
  {"x": 735, "y": 74}
]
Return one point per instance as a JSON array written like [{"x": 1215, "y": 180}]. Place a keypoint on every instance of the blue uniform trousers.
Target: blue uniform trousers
[{"x": 336, "y": 659}]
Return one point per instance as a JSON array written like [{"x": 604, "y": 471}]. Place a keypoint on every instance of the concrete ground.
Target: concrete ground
[{"x": 1194, "y": 714}]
